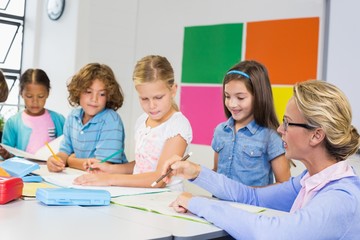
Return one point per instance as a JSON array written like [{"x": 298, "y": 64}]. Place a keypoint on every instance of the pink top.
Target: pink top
[
  {"x": 42, "y": 130},
  {"x": 312, "y": 184}
]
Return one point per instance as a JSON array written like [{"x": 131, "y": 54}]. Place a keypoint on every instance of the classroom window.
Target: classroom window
[{"x": 12, "y": 16}]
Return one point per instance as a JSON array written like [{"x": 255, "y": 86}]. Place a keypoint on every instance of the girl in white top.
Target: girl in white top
[{"x": 160, "y": 132}]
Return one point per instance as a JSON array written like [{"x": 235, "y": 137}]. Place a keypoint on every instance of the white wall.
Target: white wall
[
  {"x": 118, "y": 33},
  {"x": 89, "y": 31},
  {"x": 51, "y": 46},
  {"x": 161, "y": 29},
  {"x": 344, "y": 50}
]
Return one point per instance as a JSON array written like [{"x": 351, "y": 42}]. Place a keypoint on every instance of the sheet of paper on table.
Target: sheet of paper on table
[{"x": 66, "y": 179}]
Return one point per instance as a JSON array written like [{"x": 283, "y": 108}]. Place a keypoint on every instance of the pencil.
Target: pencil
[
  {"x": 169, "y": 171},
  {"x": 111, "y": 156},
  {"x": 52, "y": 152}
]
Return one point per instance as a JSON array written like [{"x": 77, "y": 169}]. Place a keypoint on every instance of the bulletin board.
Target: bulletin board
[{"x": 202, "y": 39}]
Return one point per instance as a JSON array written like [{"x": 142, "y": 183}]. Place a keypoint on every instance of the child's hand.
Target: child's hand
[
  {"x": 182, "y": 202},
  {"x": 88, "y": 164},
  {"x": 4, "y": 153},
  {"x": 101, "y": 179},
  {"x": 55, "y": 164},
  {"x": 95, "y": 166}
]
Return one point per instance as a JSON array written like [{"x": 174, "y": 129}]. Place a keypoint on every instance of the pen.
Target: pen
[
  {"x": 109, "y": 157},
  {"x": 169, "y": 171},
  {"x": 54, "y": 155}
]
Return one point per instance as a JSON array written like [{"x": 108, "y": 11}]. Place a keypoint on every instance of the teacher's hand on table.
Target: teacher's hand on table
[{"x": 181, "y": 203}]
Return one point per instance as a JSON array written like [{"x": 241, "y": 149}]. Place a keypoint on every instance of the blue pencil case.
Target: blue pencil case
[
  {"x": 22, "y": 168},
  {"x": 73, "y": 196}
]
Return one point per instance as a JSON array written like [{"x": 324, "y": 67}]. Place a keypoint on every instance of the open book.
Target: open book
[{"x": 42, "y": 154}]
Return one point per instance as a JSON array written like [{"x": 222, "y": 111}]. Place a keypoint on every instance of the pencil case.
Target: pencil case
[
  {"x": 10, "y": 189},
  {"x": 19, "y": 167},
  {"x": 73, "y": 196}
]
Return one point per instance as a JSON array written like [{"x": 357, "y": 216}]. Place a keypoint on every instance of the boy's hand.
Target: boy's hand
[
  {"x": 89, "y": 165},
  {"x": 55, "y": 164}
]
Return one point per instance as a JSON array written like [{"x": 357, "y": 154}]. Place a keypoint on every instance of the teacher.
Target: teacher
[{"x": 323, "y": 202}]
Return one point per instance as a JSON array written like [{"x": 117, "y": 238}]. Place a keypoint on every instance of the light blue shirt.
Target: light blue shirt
[
  {"x": 333, "y": 213},
  {"x": 99, "y": 138},
  {"x": 245, "y": 156}
]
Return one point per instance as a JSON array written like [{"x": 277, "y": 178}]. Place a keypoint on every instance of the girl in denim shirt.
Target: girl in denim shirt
[{"x": 247, "y": 147}]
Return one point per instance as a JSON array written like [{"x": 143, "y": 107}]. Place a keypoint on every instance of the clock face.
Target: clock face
[{"x": 55, "y": 8}]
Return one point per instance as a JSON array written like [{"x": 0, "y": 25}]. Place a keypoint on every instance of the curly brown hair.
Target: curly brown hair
[{"x": 83, "y": 79}]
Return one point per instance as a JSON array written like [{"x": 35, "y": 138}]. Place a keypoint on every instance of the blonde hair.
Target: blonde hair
[
  {"x": 326, "y": 106},
  {"x": 153, "y": 68}
]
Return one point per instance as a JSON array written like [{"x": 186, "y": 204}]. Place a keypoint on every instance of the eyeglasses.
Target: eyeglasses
[{"x": 286, "y": 124}]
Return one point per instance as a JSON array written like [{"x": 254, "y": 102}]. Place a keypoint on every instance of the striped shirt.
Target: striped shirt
[{"x": 99, "y": 138}]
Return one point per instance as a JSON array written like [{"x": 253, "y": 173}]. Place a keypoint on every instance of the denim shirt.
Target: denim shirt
[{"x": 245, "y": 156}]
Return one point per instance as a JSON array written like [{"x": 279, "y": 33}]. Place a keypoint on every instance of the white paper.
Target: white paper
[
  {"x": 157, "y": 202},
  {"x": 42, "y": 154},
  {"x": 66, "y": 179},
  {"x": 160, "y": 202}
]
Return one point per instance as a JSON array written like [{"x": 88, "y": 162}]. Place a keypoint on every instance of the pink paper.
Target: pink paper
[{"x": 203, "y": 106}]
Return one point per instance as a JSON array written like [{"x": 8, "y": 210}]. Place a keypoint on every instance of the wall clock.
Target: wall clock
[{"x": 55, "y": 8}]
